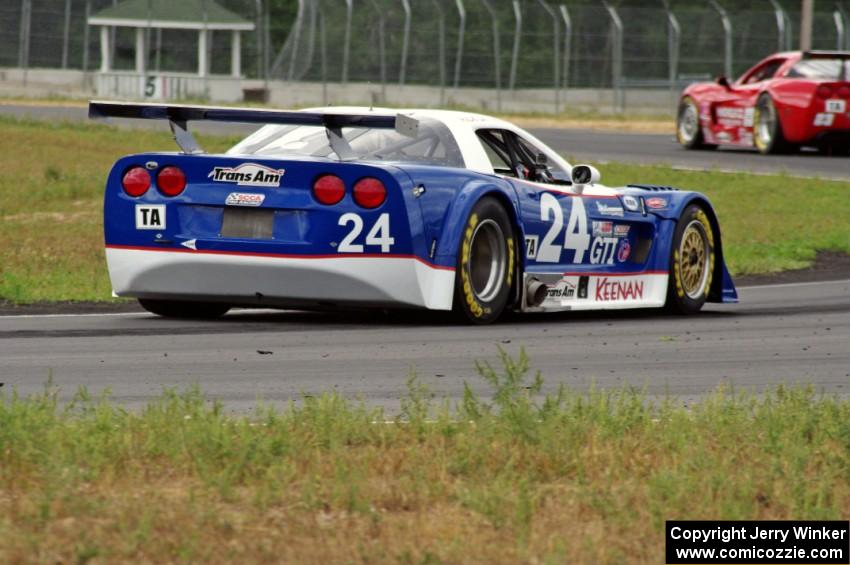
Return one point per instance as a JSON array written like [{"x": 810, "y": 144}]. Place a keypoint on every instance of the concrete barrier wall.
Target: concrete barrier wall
[{"x": 41, "y": 83}]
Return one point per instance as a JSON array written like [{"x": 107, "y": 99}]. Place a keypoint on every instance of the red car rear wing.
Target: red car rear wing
[{"x": 826, "y": 54}]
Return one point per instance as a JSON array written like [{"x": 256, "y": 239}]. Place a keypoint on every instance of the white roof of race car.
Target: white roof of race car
[{"x": 463, "y": 126}]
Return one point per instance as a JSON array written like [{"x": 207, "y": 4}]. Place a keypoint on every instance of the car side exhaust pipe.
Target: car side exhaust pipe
[{"x": 536, "y": 292}]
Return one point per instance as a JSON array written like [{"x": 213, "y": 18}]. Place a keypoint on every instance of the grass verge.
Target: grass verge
[
  {"x": 51, "y": 198},
  {"x": 51, "y": 203},
  {"x": 572, "y": 477},
  {"x": 770, "y": 223}
]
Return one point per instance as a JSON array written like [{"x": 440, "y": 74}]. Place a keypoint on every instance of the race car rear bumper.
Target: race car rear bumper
[{"x": 246, "y": 279}]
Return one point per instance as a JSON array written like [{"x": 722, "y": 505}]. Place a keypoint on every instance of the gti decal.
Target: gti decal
[
  {"x": 248, "y": 174},
  {"x": 602, "y": 250}
]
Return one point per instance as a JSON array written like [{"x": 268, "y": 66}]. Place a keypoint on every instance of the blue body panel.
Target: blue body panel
[
  {"x": 302, "y": 226},
  {"x": 423, "y": 224}
]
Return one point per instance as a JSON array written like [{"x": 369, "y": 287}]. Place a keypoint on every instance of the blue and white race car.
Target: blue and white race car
[{"x": 362, "y": 207}]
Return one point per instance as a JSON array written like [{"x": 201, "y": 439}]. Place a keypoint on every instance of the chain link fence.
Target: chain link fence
[{"x": 491, "y": 44}]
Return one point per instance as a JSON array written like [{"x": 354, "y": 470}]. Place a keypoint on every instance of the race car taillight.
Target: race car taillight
[
  {"x": 136, "y": 181},
  {"x": 824, "y": 91},
  {"x": 328, "y": 189},
  {"x": 171, "y": 181},
  {"x": 844, "y": 92},
  {"x": 369, "y": 192}
]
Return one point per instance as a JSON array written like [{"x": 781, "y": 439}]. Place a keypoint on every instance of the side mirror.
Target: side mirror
[
  {"x": 582, "y": 175},
  {"x": 724, "y": 82}
]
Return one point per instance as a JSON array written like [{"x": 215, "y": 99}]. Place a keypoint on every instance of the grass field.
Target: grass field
[
  {"x": 51, "y": 197},
  {"x": 572, "y": 478},
  {"x": 51, "y": 201}
]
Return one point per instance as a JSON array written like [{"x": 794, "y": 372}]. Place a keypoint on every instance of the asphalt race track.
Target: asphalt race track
[
  {"x": 659, "y": 149},
  {"x": 577, "y": 145},
  {"x": 797, "y": 333}
]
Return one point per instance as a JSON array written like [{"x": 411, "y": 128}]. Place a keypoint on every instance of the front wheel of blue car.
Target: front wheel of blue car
[
  {"x": 486, "y": 263},
  {"x": 692, "y": 261},
  {"x": 181, "y": 309}
]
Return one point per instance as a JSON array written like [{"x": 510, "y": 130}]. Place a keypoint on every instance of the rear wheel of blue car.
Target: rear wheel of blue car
[
  {"x": 182, "y": 309},
  {"x": 692, "y": 262},
  {"x": 486, "y": 263}
]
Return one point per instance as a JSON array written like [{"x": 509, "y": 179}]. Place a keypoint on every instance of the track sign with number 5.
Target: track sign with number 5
[{"x": 150, "y": 217}]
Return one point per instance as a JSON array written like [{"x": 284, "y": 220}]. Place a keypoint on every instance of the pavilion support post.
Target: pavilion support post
[
  {"x": 141, "y": 50},
  {"x": 236, "y": 54},
  {"x": 203, "y": 66},
  {"x": 105, "y": 52}
]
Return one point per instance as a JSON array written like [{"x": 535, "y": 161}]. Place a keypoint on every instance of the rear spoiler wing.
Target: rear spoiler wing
[
  {"x": 179, "y": 115},
  {"x": 826, "y": 54}
]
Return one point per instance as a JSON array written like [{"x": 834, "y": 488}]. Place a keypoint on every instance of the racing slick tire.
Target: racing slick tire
[
  {"x": 180, "y": 309},
  {"x": 486, "y": 263},
  {"x": 688, "y": 129},
  {"x": 767, "y": 128},
  {"x": 692, "y": 260}
]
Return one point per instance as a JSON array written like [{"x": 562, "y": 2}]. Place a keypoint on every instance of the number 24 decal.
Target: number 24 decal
[
  {"x": 577, "y": 237},
  {"x": 378, "y": 235}
]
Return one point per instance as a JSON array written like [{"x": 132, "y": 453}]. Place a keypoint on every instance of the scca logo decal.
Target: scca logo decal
[
  {"x": 244, "y": 199},
  {"x": 247, "y": 174}
]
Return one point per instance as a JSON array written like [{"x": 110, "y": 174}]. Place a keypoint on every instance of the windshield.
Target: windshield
[
  {"x": 821, "y": 69},
  {"x": 433, "y": 144}
]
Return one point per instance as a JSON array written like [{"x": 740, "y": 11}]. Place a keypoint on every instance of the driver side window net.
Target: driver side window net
[
  {"x": 513, "y": 156},
  {"x": 493, "y": 142}
]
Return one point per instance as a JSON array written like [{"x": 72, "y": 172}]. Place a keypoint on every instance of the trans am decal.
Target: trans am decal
[{"x": 248, "y": 174}]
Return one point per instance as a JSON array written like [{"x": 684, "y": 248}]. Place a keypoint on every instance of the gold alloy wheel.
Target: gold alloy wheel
[{"x": 693, "y": 259}]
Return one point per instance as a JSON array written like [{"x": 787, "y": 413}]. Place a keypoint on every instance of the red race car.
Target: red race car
[{"x": 785, "y": 101}]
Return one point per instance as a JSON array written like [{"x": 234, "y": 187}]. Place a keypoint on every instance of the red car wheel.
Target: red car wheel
[
  {"x": 688, "y": 128},
  {"x": 767, "y": 128}
]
